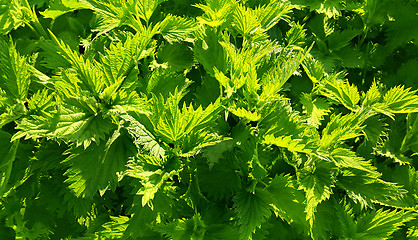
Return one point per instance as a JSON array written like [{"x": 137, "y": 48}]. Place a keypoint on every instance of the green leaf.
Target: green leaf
[
  {"x": 243, "y": 65},
  {"x": 14, "y": 72},
  {"x": 253, "y": 209},
  {"x": 6, "y": 163},
  {"x": 164, "y": 81},
  {"x": 288, "y": 202},
  {"x": 98, "y": 167},
  {"x": 257, "y": 170},
  {"x": 41, "y": 103},
  {"x": 317, "y": 180},
  {"x": 365, "y": 189},
  {"x": 217, "y": 12},
  {"x": 51, "y": 58},
  {"x": 247, "y": 24},
  {"x": 209, "y": 52},
  {"x": 145, "y": 8},
  {"x": 315, "y": 109},
  {"x": 152, "y": 181},
  {"x": 395, "y": 145},
  {"x": 270, "y": 14},
  {"x": 184, "y": 229},
  {"x": 313, "y": 68},
  {"x": 119, "y": 59},
  {"x": 208, "y": 92},
  {"x": 176, "y": 29},
  {"x": 201, "y": 119},
  {"x": 11, "y": 112},
  {"x": 346, "y": 219},
  {"x": 32, "y": 128},
  {"x": 339, "y": 39},
  {"x": 79, "y": 120},
  {"x": 144, "y": 219},
  {"x": 341, "y": 128},
  {"x": 60, "y": 7},
  {"x": 124, "y": 101},
  {"x": 281, "y": 125},
  {"x": 175, "y": 125},
  {"x": 372, "y": 96},
  {"x": 42, "y": 109},
  {"x": 214, "y": 153},
  {"x": 292, "y": 145},
  {"x": 243, "y": 113},
  {"x": 331, "y": 9},
  {"x": 401, "y": 100},
  {"x": 113, "y": 229},
  {"x": 398, "y": 32},
  {"x": 219, "y": 181},
  {"x": 176, "y": 55},
  {"x": 341, "y": 91},
  {"x": 324, "y": 222},
  {"x": 274, "y": 79},
  {"x": 381, "y": 224},
  {"x": 110, "y": 14},
  {"x": 143, "y": 138},
  {"x": 13, "y": 14},
  {"x": 296, "y": 35},
  {"x": 91, "y": 79},
  {"x": 373, "y": 131},
  {"x": 411, "y": 138},
  {"x": 220, "y": 231},
  {"x": 413, "y": 233},
  {"x": 345, "y": 158},
  {"x": 225, "y": 82}
]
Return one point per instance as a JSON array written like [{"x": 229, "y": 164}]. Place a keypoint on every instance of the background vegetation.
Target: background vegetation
[{"x": 211, "y": 119}]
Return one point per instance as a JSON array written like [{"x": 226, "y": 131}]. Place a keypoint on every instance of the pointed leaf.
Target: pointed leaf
[
  {"x": 184, "y": 229},
  {"x": 96, "y": 168},
  {"x": 145, "y": 8},
  {"x": 60, "y": 7},
  {"x": 143, "y": 138},
  {"x": 317, "y": 181},
  {"x": 272, "y": 13},
  {"x": 365, "y": 189},
  {"x": 381, "y": 224},
  {"x": 78, "y": 120},
  {"x": 176, "y": 29},
  {"x": 341, "y": 91},
  {"x": 401, "y": 100},
  {"x": 6, "y": 162},
  {"x": 287, "y": 200},
  {"x": 14, "y": 72},
  {"x": 252, "y": 209},
  {"x": 91, "y": 78},
  {"x": 315, "y": 109}
]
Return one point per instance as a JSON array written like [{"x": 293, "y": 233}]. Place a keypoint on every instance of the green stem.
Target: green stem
[
  {"x": 363, "y": 38},
  {"x": 263, "y": 183},
  {"x": 363, "y": 73},
  {"x": 37, "y": 25},
  {"x": 403, "y": 148},
  {"x": 39, "y": 28},
  {"x": 33, "y": 29}
]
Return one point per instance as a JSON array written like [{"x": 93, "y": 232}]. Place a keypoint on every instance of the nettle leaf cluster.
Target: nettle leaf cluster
[{"x": 212, "y": 119}]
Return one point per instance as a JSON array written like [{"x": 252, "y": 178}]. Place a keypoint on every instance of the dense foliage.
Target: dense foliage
[{"x": 208, "y": 119}]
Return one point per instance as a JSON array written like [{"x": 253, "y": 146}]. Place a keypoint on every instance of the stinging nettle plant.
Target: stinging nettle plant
[{"x": 211, "y": 119}]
